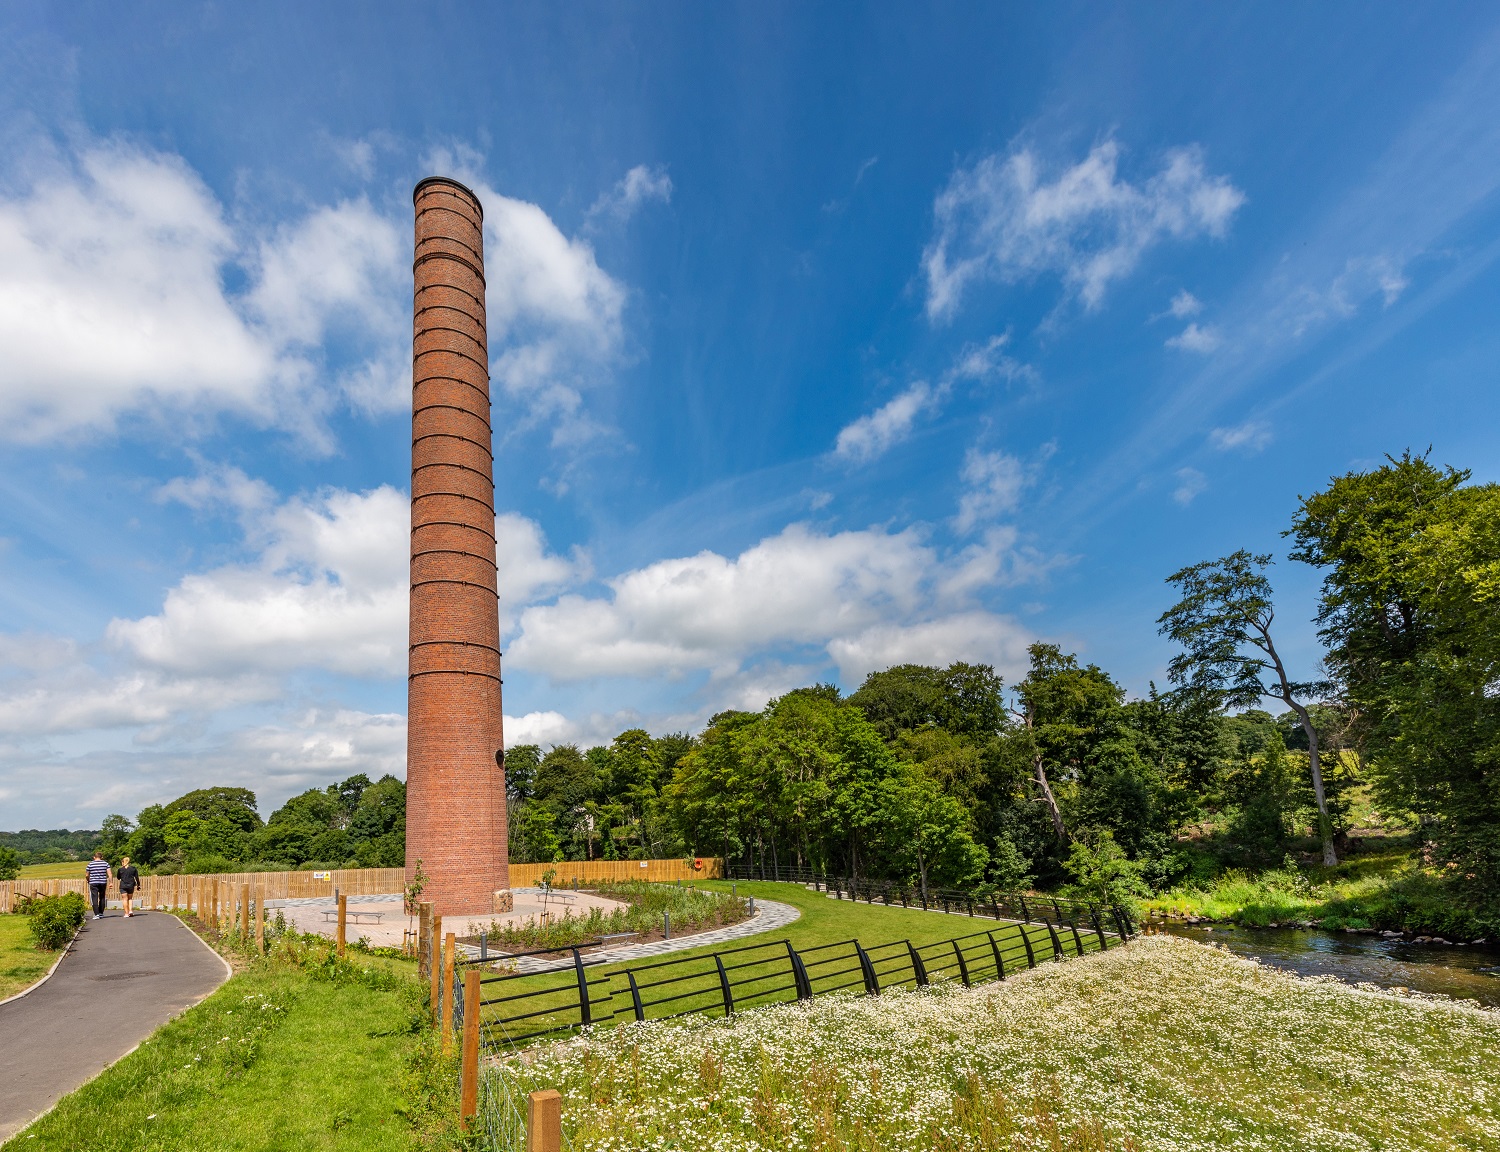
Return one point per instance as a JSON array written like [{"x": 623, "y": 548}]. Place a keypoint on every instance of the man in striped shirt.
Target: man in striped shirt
[{"x": 98, "y": 882}]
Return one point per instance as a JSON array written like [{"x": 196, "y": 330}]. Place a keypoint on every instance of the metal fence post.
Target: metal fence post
[
  {"x": 1057, "y": 952},
  {"x": 635, "y": 996},
  {"x": 1026, "y": 940},
  {"x": 999, "y": 961},
  {"x": 872, "y": 982},
  {"x": 918, "y": 969},
  {"x": 963, "y": 969},
  {"x": 1098, "y": 928},
  {"x": 724, "y": 986},
  {"x": 583, "y": 988},
  {"x": 799, "y": 973},
  {"x": 1077, "y": 939}
]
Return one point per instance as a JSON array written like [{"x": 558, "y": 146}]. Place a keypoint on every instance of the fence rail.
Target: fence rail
[
  {"x": 1026, "y": 906},
  {"x": 516, "y": 1007},
  {"x": 183, "y": 891},
  {"x": 158, "y": 891}
]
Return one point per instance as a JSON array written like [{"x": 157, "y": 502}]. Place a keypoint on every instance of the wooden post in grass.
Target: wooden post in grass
[
  {"x": 450, "y": 946},
  {"x": 469, "y": 1085},
  {"x": 245, "y": 913},
  {"x": 343, "y": 915},
  {"x": 260, "y": 922},
  {"x": 435, "y": 951},
  {"x": 424, "y": 939},
  {"x": 544, "y": 1121}
]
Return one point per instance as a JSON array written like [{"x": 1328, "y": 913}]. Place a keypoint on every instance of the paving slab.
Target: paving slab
[{"x": 118, "y": 983}]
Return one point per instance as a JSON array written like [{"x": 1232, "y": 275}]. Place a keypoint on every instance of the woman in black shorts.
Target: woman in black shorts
[{"x": 129, "y": 879}]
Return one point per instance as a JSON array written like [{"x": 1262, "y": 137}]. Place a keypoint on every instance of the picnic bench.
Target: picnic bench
[{"x": 351, "y": 915}]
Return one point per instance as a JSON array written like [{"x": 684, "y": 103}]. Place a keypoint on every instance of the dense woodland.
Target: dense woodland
[{"x": 950, "y": 777}]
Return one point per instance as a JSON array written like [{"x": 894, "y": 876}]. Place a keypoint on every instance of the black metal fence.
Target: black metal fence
[
  {"x": 974, "y": 902},
  {"x": 547, "y": 996}
]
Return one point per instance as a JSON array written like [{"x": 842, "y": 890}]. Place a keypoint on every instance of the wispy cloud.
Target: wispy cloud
[
  {"x": 1252, "y": 436},
  {"x": 641, "y": 185},
  {"x": 994, "y": 482},
  {"x": 1190, "y": 482},
  {"x": 1004, "y": 219},
  {"x": 873, "y": 434},
  {"x": 1196, "y": 338},
  {"x": 870, "y": 435},
  {"x": 1184, "y": 304}
]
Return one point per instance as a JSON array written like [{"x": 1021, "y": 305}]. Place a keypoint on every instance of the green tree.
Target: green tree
[
  {"x": 928, "y": 831},
  {"x": 1223, "y": 625},
  {"x": 10, "y": 863},
  {"x": 236, "y": 805},
  {"x": 1410, "y": 611},
  {"x": 114, "y": 832},
  {"x": 1102, "y": 872},
  {"x": 521, "y": 762}
]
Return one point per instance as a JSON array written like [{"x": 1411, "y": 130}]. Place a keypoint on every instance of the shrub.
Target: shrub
[{"x": 54, "y": 919}]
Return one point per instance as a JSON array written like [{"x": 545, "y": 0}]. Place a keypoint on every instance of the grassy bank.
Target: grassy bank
[
  {"x": 68, "y": 870},
  {"x": 295, "y": 1051},
  {"x": 1383, "y": 887},
  {"x": 21, "y": 964},
  {"x": 1162, "y": 1045}
]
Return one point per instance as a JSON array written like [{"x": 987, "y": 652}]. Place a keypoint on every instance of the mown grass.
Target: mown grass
[
  {"x": 690, "y": 910},
  {"x": 68, "y": 870},
  {"x": 766, "y": 974},
  {"x": 292, "y": 1052},
  {"x": 21, "y": 963},
  {"x": 1164, "y": 1044}
]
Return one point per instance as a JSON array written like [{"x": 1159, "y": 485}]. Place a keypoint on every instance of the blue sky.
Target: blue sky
[{"x": 823, "y": 338}]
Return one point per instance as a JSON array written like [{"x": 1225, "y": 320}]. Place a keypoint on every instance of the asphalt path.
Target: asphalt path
[{"x": 118, "y": 983}]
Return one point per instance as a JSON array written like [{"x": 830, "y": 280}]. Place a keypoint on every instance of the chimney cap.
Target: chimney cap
[{"x": 417, "y": 191}]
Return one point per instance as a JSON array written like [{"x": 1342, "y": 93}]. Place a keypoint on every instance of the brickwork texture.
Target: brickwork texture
[{"x": 455, "y": 782}]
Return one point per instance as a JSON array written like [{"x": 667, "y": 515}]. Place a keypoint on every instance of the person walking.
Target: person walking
[
  {"x": 129, "y": 878},
  {"x": 98, "y": 883}
]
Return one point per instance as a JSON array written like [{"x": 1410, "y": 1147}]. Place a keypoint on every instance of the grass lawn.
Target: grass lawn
[
  {"x": 823, "y": 921},
  {"x": 1164, "y": 1044},
  {"x": 21, "y": 965},
  {"x": 275, "y": 1059},
  {"x": 70, "y": 870}
]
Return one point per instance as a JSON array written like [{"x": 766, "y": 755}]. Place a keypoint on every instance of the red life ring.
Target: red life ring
[{"x": 697, "y": 863}]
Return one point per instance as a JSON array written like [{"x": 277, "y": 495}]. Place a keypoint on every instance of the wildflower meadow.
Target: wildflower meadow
[{"x": 1165, "y": 1044}]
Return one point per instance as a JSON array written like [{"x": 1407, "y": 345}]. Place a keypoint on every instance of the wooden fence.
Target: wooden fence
[
  {"x": 587, "y": 872},
  {"x": 187, "y": 891}
]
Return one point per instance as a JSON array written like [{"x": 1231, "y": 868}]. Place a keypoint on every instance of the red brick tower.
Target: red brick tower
[{"x": 455, "y": 779}]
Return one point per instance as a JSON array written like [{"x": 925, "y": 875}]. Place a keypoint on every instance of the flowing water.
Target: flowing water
[{"x": 1471, "y": 972}]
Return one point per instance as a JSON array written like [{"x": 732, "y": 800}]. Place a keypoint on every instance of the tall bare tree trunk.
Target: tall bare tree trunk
[
  {"x": 1325, "y": 823},
  {"x": 1040, "y": 774}
]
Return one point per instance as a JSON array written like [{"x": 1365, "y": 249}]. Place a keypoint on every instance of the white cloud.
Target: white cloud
[
  {"x": 870, "y": 436},
  {"x": 327, "y": 587},
  {"x": 1252, "y": 436},
  {"x": 1195, "y": 339},
  {"x": 1185, "y": 304},
  {"x": 554, "y": 316},
  {"x": 544, "y": 728},
  {"x": 640, "y": 185},
  {"x": 1003, "y": 219},
  {"x": 710, "y": 613},
  {"x": 1190, "y": 482},
  {"x": 995, "y": 481},
  {"x": 113, "y": 264},
  {"x": 977, "y": 637}
]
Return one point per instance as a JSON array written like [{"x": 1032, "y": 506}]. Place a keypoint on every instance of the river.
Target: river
[{"x": 1451, "y": 970}]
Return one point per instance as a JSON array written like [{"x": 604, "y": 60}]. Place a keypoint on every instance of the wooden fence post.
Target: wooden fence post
[
  {"x": 450, "y": 946},
  {"x": 424, "y": 940},
  {"x": 343, "y": 913},
  {"x": 544, "y": 1121},
  {"x": 469, "y": 1093},
  {"x": 260, "y": 921},
  {"x": 245, "y": 913},
  {"x": 435, "y": 963}
]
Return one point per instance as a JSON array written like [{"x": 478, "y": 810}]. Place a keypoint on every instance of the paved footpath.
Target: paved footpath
[{"x": 117, "y": 985}]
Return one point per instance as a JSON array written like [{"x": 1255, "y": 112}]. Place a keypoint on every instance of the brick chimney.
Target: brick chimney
[{"x": 455, "y": 778}]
